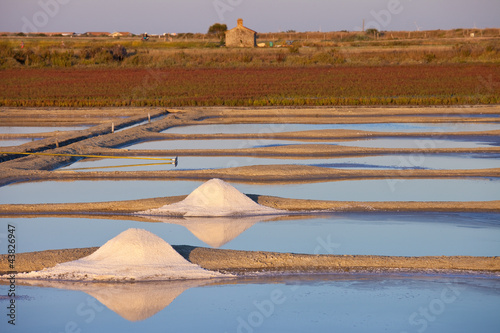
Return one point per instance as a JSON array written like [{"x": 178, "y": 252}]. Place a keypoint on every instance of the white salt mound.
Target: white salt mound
[
  {"x": 214, "y": 198},
  {"x": 135, "y": 254}
]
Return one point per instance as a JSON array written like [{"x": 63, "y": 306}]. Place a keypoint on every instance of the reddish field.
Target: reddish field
[{"x": 392, "y": 85}]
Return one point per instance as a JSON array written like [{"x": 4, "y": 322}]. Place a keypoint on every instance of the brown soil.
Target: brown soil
[
  {"x": 244, "y": 262},
  {"x": 293, "y": 205}
]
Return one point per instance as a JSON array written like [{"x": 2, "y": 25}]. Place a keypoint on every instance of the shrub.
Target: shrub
[{"x": 429, "y": 57}]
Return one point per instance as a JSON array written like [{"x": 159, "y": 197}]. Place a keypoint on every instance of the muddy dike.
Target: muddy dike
[
  {"x": 126, "y": 209},
  {"x": 251, "y": 262}
]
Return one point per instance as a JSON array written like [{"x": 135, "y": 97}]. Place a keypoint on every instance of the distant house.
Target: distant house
[
  {"x": 241, "y": 36},
  {"x": 96, "y": 34},
  {"x": 65, "y": 34},
  {"x": 120, "y": 34}
]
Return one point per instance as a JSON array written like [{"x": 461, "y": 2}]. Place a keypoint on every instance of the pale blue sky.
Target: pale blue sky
[{"x": 159, "y": 16}]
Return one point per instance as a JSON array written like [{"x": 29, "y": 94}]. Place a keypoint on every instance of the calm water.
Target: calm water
[
  {"x": 409, "y": 234},
  {"x": 16, "y": 142},
  {"x": 30, "y": 130},
  {"x": 255, "y": 143},
  {"x": 397, "y": 162},
  {"x": 331, "y": 303},
  {"x": 352, "y": 190},
  {"x": 382, "y": 127}
]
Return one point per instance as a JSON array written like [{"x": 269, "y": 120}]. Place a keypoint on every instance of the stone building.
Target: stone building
[{"x": 241, "y": 36}]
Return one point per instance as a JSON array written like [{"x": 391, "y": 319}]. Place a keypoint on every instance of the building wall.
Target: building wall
[{"x": 240, "y": 37}]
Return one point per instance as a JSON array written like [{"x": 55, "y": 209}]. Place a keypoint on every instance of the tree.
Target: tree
[
  {"x": 371, "y": 32},
  {"x": 217, "y": 29}
]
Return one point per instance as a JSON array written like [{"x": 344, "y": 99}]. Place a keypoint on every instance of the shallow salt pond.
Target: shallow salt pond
[
  {"x": 42, "y": 129},
  {"x": 380, "y": 127},
  {"x": 408, "y": 234},
  {"x": 331, "y": 303},
  {"x": 353, "y": 190},
  {"x": 14, "y": 142},
  {"x": 419, "y": 161},
  {"x": 482, "y": 189},
  {"x": 255, "y": 143}
]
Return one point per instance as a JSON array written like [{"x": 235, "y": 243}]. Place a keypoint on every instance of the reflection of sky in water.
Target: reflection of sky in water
[
  {"x": 252, "y": 143},
  {"x": 358, "y": 190},
  {"x": 16, "y": 142},
  {"x": 383, "y": 127},
  {"x": 366, "y": 162},
  {"x": 29, "y": 130},
  {"x": 346, "y": 303},
  {"x": 408, "y": 234}
]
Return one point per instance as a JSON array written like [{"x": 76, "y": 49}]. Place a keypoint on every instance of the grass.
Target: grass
[
  {"x": 287, "y": 86},
  {"x": 343, "y": 49},
  {"x": 341, "y": 68}
]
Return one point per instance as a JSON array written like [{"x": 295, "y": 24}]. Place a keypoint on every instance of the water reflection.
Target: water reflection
[
  {"x": 380, "y": 127},
  {"x": 398, "y": 162},
  {"x": 403, "y": 234},
  {"x": 257, "y": 142},
  {"x": 132, "y": 301},
  {"x": 216, "y": 231},
  {"x": 41, "y": 129},
  {"x": 393, "y": 189},
  {"x": 356, "y": 302},
  {"x": 15, "y": 142}
]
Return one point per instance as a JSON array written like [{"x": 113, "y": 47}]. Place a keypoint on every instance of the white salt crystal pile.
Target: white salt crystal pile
[
  {"x": 214, "y": 198},
  {"x": 135, "y": 254}
]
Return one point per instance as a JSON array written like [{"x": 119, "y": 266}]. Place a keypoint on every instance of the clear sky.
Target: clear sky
[{"x": 160, "y": 16}]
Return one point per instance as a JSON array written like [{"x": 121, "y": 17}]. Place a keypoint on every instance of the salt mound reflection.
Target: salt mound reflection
[
  {"x": 132, "y": 301},
  {"x": 216, "y": 231}
]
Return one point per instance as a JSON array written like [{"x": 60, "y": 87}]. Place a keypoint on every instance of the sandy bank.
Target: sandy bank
[
  {"x": 245, "y": 262},
  {"x": 293, "y": 205},
  {"x": 284, "y": 173}
]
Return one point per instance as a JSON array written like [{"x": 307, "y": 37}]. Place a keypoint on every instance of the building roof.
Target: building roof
[
  {"x": 56, "y": 33},
  {"x": 96, "y": 33},
  {"x": 122, "y": 33},
  {"x": 241, "y": 26}
]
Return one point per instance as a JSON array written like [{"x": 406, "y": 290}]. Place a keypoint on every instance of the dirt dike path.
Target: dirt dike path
[
  {"x": 267, "y": 174},
  {"x": 249, "y": 262},
  {"x": 295, "y": 206}
]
